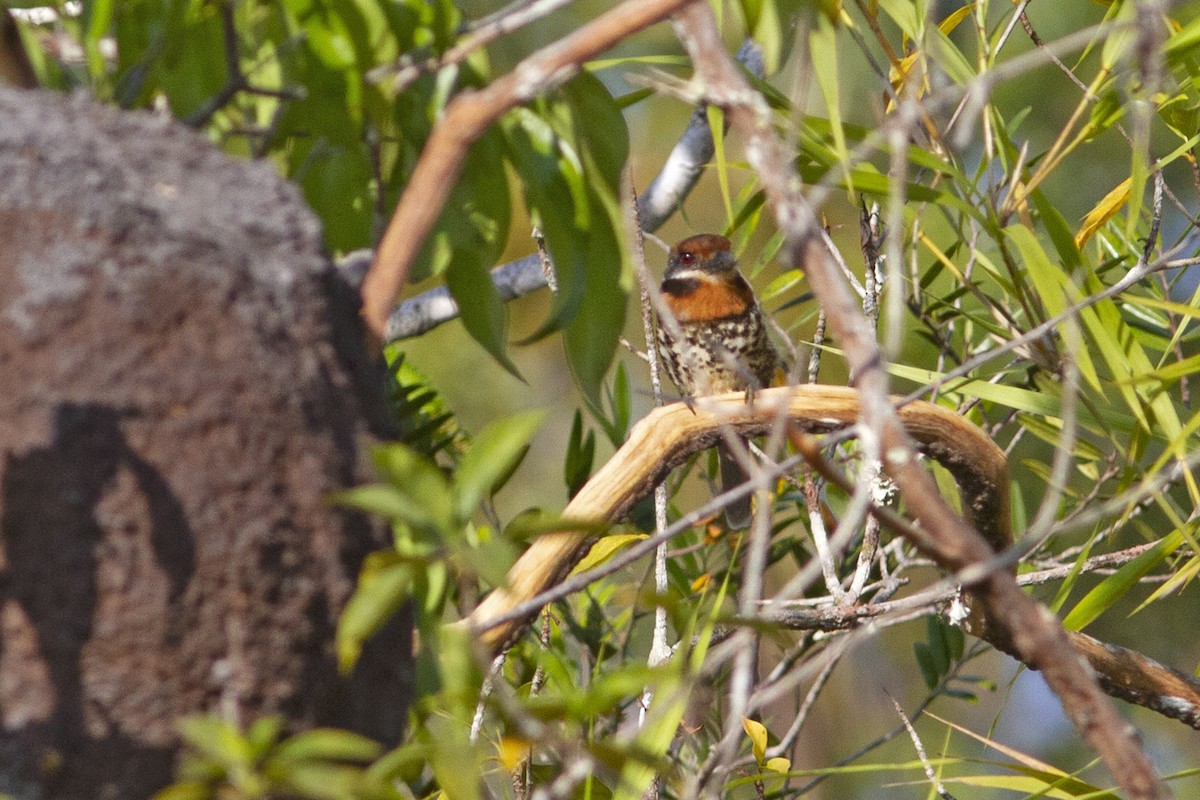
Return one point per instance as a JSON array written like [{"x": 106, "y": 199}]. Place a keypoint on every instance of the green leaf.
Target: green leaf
[
  {"x": 553, "y": 184},
  {"x": 490, "y": 560},
  {"x": 469, "y": 239},
  {"x": 716, "y": 127},
  {"x": 382, "y": 499},
  {"x": 1053, "y": 286},
  {"x": 1059, "y": 230},
  {"x": 823, "y": 44},
  {"x": 1117, "y": 585},
  {"x": 494, "y": 453},
  {"x": 483, "y": 313},
  {"x": 770, "y": 23},
  {"x": 98, "y": 17},
  {"x": 330, "y": 744},
  {"x": 264, "y": 733},
  {"x": 927, "y": 664},
  {"x": 185, "y": 791},
  {"x": 581, "y": 452},
  {"x": 454, "y": 760},
  {"x": 427, "y": 425},
  {"x": 600, "y": 128},
  {"x": 1121, "y": 38},
  {"x": 1184, "y": 41},
  {"x": 383, "y": 586},
  {"x": 192, "y": 64},
  {"x": 335, "y": 179},
  {"x": 620, "y": 401},
  {"x": 326, "y": 32},
  {"x": 323, "y": 781},
  {"x": 425, "y": 490},
  {"x": 211, "y": 736},
  {"x": 593, "y": 335},
  {"x": 605, "y": 548},
  {"x": 569, "y": 157}
]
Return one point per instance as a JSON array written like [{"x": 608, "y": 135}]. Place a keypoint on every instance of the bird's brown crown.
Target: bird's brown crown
[
  {"x": 702, "y": 281},
  {"x": 704, "y": 251}
]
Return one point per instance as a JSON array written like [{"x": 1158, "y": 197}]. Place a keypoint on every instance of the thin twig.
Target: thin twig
[
  {"x": 235, "y": 78},
  {"x": 660, "y": 651},
  {"x": 920, "y": 748},
  {"x": 407, "y": 69}
]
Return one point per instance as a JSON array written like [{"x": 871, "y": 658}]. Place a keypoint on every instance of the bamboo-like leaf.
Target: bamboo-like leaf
[
  {"x": 716, "y": 127},
  {"x": 383, "y": 586},
  {"x": 822, "y": 41},
  {"x": 1054, "y": 288},
  {"x": 1117, "y": 585},
  {"x": 605, "y": 548},
  {"x": 1102, "y": 212}
]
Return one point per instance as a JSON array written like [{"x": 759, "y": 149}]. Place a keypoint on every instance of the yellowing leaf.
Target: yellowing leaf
[
  {"x": 951, "y": 22},
  {"x": 1105, "y": 210},
  {"x": 702, "y": 582},
  {"x": 901, "y": 69},
  {"x": 758, "y": 738},
  {"x": 604, "y": 549},
  {"x": 778, "y": 764},
  {"x": 511, "y": 752}
]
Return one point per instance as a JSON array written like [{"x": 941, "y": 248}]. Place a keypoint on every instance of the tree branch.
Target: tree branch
[
  {"x": 666, "y": 193},
  {"x": 668, "y": 435},
  {"x": 466, "y": 118}
]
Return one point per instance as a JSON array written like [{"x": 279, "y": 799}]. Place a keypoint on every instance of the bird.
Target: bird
[{"x": 717, "y": 341}]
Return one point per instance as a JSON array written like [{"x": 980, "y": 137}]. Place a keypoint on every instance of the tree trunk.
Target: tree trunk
[{"x": 181, "y": 384}]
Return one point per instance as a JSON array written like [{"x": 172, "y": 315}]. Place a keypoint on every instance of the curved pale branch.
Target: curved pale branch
[{"x": 669, "y": 435}]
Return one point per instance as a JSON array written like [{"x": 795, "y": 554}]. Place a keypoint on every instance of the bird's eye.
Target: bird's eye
[{"x": 687, "y": 257}]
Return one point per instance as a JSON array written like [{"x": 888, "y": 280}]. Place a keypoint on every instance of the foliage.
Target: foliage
[
  {"x": 321, "y": 764},
  {"x": 981, "y": 152}
]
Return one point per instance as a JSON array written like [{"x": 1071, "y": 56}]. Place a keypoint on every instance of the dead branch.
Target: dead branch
[
  {"x": 466, "y": 118},
  {"x": 406, "y": 70}
]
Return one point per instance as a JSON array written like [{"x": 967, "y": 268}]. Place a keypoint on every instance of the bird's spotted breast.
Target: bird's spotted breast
[{"x": 726, "y": 355}]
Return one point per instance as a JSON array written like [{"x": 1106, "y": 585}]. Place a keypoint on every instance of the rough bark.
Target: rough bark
[{"x": 182, "y": 384}]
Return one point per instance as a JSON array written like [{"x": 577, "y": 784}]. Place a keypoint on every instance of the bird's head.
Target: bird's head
[{"x": 705, "y": 252}]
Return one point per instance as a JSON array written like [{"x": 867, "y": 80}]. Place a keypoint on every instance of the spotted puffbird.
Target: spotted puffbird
[{"x": 719, "y": 340}]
